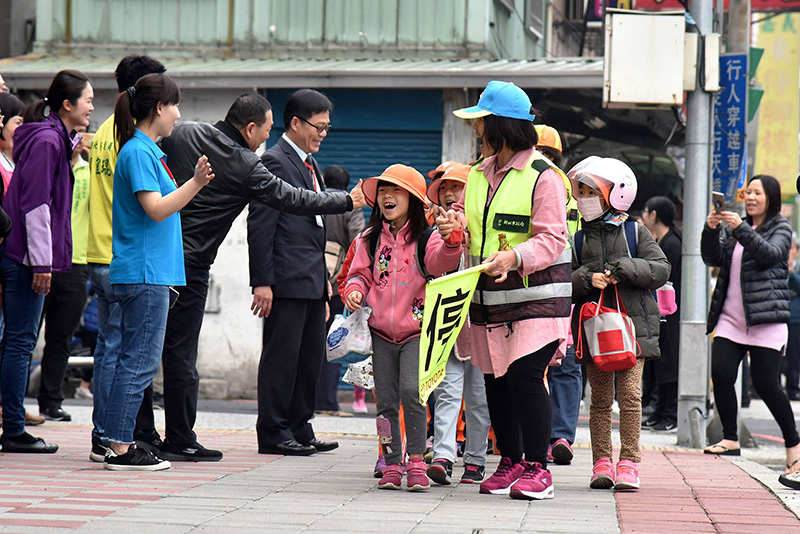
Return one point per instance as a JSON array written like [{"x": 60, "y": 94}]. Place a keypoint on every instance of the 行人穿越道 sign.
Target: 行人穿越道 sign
[
  {"x": 755, "y": 5},
  {"x": 730, "y": 112}
]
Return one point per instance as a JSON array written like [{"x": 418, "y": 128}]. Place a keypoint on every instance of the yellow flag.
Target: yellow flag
[{"x": 446, "y": 307}]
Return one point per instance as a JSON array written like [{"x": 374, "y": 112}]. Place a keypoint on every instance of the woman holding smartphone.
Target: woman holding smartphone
[
  {"x": 750, "y": 309},
  {"x": 148, "y": 255}
]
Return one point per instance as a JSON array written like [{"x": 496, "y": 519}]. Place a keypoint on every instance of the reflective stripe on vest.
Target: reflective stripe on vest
[{"x": 545, "y": 293}]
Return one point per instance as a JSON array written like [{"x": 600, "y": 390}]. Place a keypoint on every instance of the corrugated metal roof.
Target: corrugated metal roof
[{"x": 37, "y": 71}]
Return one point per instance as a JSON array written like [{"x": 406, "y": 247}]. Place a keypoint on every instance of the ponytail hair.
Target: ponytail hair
[
  {"x": 138, "y": 104},
  {"x": 67, "y": 85}
]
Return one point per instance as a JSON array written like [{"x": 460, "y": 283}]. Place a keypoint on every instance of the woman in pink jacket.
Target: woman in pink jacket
[
  {"x": 386, "y": 271},
  {"x": 515, "y": 207}
]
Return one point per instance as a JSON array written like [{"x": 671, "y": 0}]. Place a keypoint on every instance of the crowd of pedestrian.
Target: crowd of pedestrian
[{"x": 140, "y": 208}]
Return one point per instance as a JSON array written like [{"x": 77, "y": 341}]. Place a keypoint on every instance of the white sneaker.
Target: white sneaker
[
  {"x": 792, "y": 480},
  {"x": 83, "y": 393}
]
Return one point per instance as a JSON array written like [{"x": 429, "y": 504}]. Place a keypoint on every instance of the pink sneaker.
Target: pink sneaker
[
  {"x": 417, "y": 479},
  {"x": 501, "y": 481},
  {"x": 561, "y": 452},
  {"x": 534, "y": 484},
  {"x": 627, "y": 476},
  {"x": 380, "y": 465},
  {"x": 392, "y": 477},
  {"x": 360, "y": 406},
  {"x": 550, "y": 453},
  {"x": 602, "y": 474}
]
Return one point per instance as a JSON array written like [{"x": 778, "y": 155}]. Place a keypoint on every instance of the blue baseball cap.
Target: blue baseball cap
[{"x": 503, "y": 99}]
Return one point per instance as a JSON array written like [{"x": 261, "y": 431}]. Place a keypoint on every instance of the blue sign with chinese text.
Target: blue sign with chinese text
[{"x": 729, "y": 159}]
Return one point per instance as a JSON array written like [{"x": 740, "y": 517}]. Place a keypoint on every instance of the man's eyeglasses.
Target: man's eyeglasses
[{"x": 320, "y": 129}]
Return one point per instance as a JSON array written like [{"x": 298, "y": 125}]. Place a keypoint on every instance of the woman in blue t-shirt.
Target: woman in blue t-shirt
[{"x": 147, "y": 255}]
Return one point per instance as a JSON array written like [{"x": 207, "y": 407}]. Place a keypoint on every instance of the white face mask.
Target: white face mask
[{"x": 591, "y": 208}]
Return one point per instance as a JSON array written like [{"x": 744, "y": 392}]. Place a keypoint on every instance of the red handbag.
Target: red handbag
[{"x": 610, "y": 335}]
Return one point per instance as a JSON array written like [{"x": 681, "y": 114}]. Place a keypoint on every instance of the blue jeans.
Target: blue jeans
[
  {"x": 143, "y": 323},
  {"x": 108, "y": 341},
  {"x": 565, "y": 394},
  {"x": 22, "y": 309}
]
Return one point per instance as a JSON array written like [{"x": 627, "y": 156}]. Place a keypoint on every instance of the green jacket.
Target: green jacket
[{"x": 605, "y": 247}]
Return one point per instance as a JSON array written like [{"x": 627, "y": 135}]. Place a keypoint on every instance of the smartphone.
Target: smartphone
[
  {"x": 173, "y": 296},
  {"x": 719, "y": 201}
]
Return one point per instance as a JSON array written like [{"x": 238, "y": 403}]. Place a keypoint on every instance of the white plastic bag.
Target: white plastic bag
[
  {"x": 360, "y": 374},
  {"x": 349, "y": 339}
]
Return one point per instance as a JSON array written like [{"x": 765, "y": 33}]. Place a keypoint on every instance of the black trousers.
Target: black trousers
[
  {"x": 329, "y": 373},
  {"x": 179, "y": 359},
  {"x": 667, "y": 400},
  {"x": 520, "y": 409},
  {"x": 765, "y": 367},
  {"x": 791, "y": 363},
  {"x": 63, "y": 308},
  {"x": 294, "y": 341}
]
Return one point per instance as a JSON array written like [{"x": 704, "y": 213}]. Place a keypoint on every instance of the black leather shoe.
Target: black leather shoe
[
  {"x": 38, "y": 446},
  {"x": 323, "y": 446},
  {"x": 289, "y": 448},
  {"x": 55, "y": 413}
]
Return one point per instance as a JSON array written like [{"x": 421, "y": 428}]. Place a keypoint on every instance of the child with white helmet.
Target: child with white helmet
[{"x": 613, "y": 250}]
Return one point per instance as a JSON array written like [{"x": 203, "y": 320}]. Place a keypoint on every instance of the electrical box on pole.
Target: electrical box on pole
[{"x": 644, "y": 55}]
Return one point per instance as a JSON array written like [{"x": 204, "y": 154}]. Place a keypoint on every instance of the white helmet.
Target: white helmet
[{"x": 610, "y": 176}]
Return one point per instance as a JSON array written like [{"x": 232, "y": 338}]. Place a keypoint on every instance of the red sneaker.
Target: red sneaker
[
  {"x": 561, "y": 452},
  {"x": 501, "y": 481},
  {"x": 392, "y": 477},
  {"x": 416, "y": 477},
  {"x": 535, "y": 483}
]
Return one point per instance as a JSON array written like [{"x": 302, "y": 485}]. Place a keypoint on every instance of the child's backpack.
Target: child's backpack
[
  {"x": 419, "y": 253},
  {"x": 631, "y": 231}
]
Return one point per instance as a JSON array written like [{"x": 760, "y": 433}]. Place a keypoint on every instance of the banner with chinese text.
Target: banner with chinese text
[
  {"x": 446, "y": 306},
  {"x": 730, "y": 112},
  {"x": 779, "y": 114}
]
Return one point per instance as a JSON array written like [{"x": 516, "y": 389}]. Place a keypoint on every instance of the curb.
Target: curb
[{"x": 769, "y": 479}]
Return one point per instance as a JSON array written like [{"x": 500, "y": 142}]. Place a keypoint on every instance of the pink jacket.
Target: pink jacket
[
  {"x": 494, "y": 349},
  {"x": 393, "y": 287}
]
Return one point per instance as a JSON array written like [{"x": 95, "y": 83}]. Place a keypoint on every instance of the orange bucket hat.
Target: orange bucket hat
[
  {"x": 406, "y": 177},
  {"x": 548, "y": 137},
  {"x": 449, "y": 170}
]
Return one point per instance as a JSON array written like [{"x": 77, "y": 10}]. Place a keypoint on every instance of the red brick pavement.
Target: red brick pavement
[
  {"x": 688, "y": 492},
  {"x": 66, "y": 490}
]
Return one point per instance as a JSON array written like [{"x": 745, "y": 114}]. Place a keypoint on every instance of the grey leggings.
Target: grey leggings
[{"x": 396, "y": 370}]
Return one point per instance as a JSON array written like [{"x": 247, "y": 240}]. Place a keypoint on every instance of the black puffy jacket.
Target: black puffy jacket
[
  {"x": 765, "y": 262},
  {"x": 240, "y": 178},
  {"x": 605, "y": 247}
]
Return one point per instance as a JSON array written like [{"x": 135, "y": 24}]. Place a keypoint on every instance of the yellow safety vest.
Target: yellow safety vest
[{"x": 505, "y": 220}]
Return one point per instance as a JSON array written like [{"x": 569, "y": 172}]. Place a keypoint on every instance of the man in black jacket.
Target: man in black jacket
[
  {"x": 240, "y": 178},
  {"x": 287, "y": 265}
]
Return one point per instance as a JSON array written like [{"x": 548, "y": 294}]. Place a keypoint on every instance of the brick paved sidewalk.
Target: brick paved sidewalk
[{"x": 682, "y": 491}]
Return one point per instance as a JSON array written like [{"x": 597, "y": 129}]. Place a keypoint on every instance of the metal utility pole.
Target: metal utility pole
[{"x": 694, "y": 356}]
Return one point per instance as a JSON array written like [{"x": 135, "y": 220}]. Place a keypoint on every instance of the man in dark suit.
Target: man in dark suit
[{"x": 287, "y": 270}]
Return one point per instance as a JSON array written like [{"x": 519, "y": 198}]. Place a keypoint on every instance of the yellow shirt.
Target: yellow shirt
[
  {"x": 80, "y": 212},
  {"x": 102, "y": 160}
]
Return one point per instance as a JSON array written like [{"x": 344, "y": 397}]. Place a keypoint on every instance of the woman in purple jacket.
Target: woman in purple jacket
[{"x": 38, "y": 200}]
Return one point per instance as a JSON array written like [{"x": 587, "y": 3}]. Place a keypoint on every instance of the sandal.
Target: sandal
[
  {"x": 789, "y": 467},
  {"x": 725, "y": 451}
]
